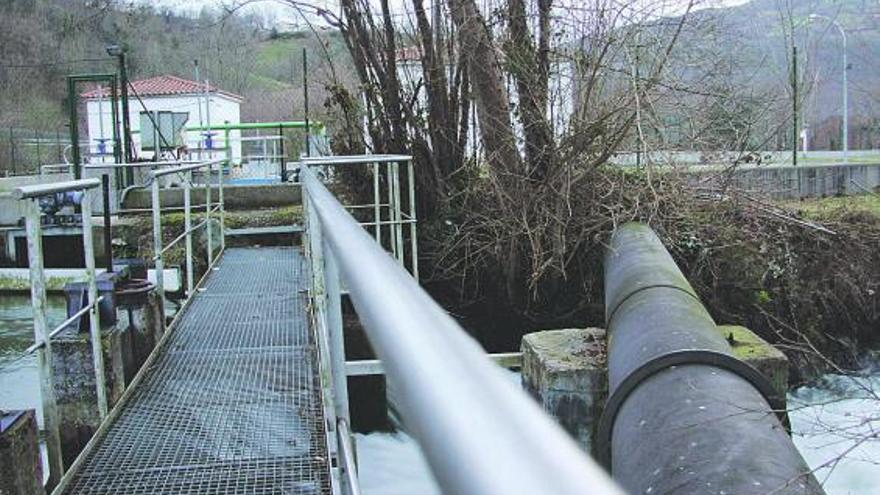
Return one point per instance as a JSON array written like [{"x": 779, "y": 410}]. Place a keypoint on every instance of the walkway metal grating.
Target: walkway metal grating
[{"x": 233, "y": 403}]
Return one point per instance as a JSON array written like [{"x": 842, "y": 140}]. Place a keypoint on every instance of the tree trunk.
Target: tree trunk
[{"x": 493, "y": 113}]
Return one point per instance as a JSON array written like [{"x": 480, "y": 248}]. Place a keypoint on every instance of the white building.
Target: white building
[
  {"x": 561, "y": 92},
  {"x": 171, "y": 100}
]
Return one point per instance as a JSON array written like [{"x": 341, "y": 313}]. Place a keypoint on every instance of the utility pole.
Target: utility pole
[
  {"x": 794, "y": 106},
  {"x": 198, "y": 83},
  {"x": 306, "y": 101}
]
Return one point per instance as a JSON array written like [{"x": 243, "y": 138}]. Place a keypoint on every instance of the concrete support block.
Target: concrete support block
[
  {"x": 74, "y": 384},
  {"x": 565, "y": 371},
  {"x": 20, "y": 470},
  {"x": 759, "y": 353}
]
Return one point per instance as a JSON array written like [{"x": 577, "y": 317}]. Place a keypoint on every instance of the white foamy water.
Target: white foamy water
[
  {"x": 393, "y": 464},
  {"x": 837, "y": 419},
  {"x": 836, "y": 427}
]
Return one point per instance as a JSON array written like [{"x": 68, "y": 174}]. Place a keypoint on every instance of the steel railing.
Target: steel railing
[
  {"x": 480, "y": 434},
  {"x": 42, "y": 336},
  {"x": 388, "y": 215},
  {"x": 144, "y": 177},
  {"x": 160, "y": 250}
]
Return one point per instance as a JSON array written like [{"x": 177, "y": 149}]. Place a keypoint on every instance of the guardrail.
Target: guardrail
[
  {"x": 480, "y": 433},
  {"x": 144, "y": 177},
  {"x": 392, "y": 209},
  {"x": 159, "y": 250},
  {"x": 42, "y": 336}
]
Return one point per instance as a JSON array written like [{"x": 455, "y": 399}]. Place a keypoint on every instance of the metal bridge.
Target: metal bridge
[
  {"x": 246, "y": 391},
  {"x": 232, "y": 403}
]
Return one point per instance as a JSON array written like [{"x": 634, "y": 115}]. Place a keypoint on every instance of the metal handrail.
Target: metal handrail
[
  {"x": 182, "y": 236},
  {"x": 185, "y": 168},
  {"x": 60, "y": 328},
  {"x": 354, "y": 159},
  {"x": 159, "y": 250},
  {"x": 163, "y": 163},
  {"x": 346, "y": 451},
  {"x": 480, "y": 433},
  {"x": 395, "y": 221},
  {"x": 37, "y": 190}
]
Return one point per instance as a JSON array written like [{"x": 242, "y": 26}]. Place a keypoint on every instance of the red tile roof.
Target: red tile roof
[{"x": 166, "y": 85}]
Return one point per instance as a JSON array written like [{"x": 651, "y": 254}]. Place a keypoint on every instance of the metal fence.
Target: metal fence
[
  {"x": 42, "y": 335},
  {"x": 211, "y": 208},
  {"x": 479, "y": 433},
  {"x": 140, "y": 175},
  {"x": 394, "y": 222},
  {"x": 25, "y": 151}
]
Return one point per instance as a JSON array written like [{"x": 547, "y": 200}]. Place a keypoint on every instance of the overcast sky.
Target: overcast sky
[{"x": 275, "y": 9}]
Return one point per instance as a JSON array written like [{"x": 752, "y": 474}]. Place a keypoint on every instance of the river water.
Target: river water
[
  {"x": 838, "y": 418},
  {"x": 835, "y": 423},
  {"x": 19, "y": 381}
]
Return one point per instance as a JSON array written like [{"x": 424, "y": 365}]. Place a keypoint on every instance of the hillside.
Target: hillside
[
  {"x": 42, "y": 41},
  {"x": 747, "y": 48}
]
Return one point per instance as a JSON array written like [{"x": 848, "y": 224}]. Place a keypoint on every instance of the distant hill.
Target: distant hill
[{"x": 756, "y": 35}]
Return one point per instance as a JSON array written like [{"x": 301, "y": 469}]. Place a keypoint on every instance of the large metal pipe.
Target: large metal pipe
[{"x": 684, "y": 416}]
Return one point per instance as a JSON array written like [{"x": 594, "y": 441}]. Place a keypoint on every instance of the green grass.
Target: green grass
[{"x": 825, "y": 207}]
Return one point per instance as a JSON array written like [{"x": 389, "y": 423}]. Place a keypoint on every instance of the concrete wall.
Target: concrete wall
[
  {"x": 11, "y": 209},
  {"x": 125, "y": 346},
  {"x": 784, "y": 182}
]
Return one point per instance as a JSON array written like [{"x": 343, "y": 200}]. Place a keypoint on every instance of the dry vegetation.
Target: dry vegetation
[{"x": 805, "y": 284}]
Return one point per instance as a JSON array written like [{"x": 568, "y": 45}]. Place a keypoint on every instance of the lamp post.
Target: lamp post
[
  {"x": 119, "y": 52},
  {"x": 814, "y": 17}
]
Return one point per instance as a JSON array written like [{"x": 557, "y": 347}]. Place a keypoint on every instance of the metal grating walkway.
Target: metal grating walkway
[{"x": 233, "y": 402}]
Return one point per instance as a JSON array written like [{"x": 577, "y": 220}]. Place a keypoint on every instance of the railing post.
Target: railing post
[
  {"x": 51, "y": 420},
  {"x": 159, "y": 264},
  {"x": 377, "y": 209},
  {"x": 398, "y": 217},
  {"x": 335, "y": 333},
  {"x": 392, "y": 238},
  {"x": 414, "y": 245},
  {"x": 208, "y": 216},
  {"x": 347, "y": 463},
  {"x": 222, "y": 208},
  {"x": 187, "y": 224},
  {"x": 336, "y": 343},
  {"x": 95, "y": 313}
]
